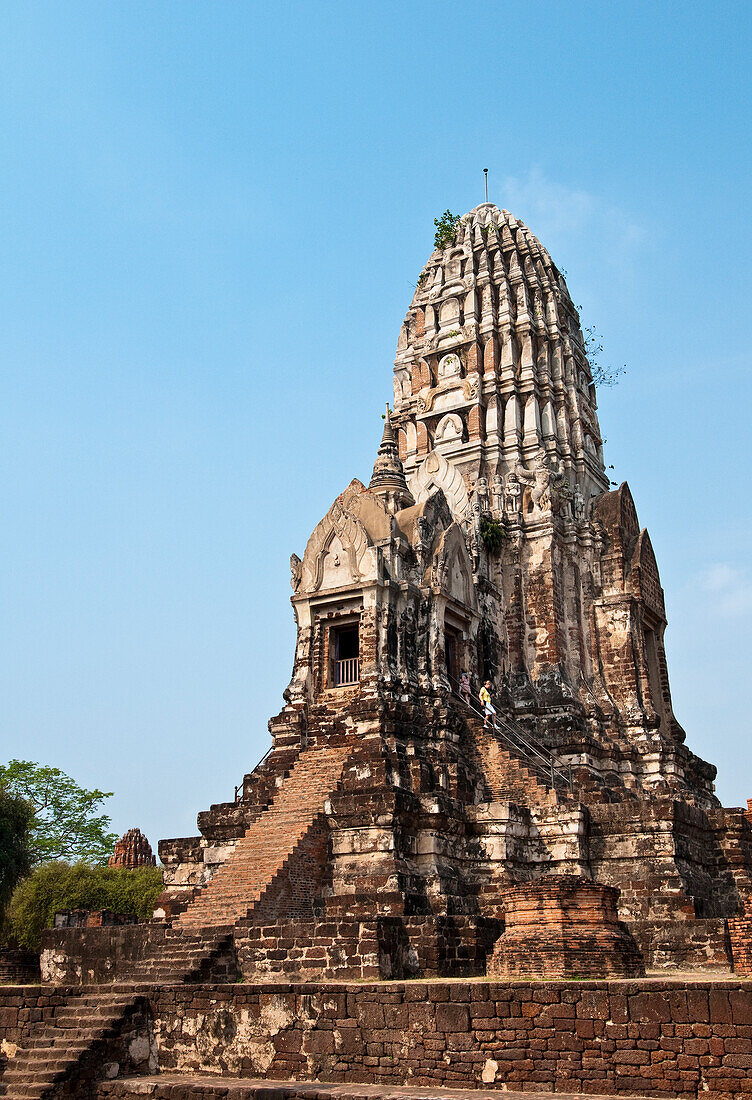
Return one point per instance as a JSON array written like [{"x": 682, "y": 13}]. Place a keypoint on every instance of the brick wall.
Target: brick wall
[
  {"x": 646, "y": 1037},
  {"x": 76, "y": 956},
  {"x": 347, "y": 948},
  {"x": 22, "y": 1008},
  {"x": 652, "y": 1038},
  {"x": 18, "y": 967}
]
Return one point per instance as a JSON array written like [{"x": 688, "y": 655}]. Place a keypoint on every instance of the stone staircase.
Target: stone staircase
[
  {"x": 261, "y": 856},
  {"x": 89, "y": 1019},
  {"x": 81, "y": 1025},
  {"x": 199, "y": 946},
  {"x": 507, "y": 775},
  {"x": 185, "y": 956}
]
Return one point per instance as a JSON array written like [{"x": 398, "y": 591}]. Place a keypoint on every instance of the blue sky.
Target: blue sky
[{"x": 213, "y": 216}]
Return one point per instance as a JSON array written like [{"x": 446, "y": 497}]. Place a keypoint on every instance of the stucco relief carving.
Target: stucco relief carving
[
  {"x": 296, "y": 571},
  {"x": 436, "y": 473},
  {"x": 449, "y": 429},
  {"x": 543, "y": 480},
  {"x": 401, "y": 387},
  {"x": 470, "y": 389},
  {"x": 451, "y": 570},
  {"x": 449, "y": 366},
  {"x": 337, "y": 548}
]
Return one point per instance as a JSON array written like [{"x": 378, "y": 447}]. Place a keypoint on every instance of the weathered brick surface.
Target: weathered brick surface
[
  {"x": 18, "y": 967},
  {"x": 653, "y": 1038},
  {"x": 287, "y": 833},
  {"x": 740, "y": 934},
  {"x": 563, "y": 926}
]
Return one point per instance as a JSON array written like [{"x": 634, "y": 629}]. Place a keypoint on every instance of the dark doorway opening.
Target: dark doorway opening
[{"x": 452, "y": 654}]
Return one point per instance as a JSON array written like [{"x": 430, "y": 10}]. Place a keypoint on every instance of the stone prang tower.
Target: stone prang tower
[
  {"x": 492, "y": 382},
  {"x": 394, "y": 829},
  {"x": 388, "y": 830}
]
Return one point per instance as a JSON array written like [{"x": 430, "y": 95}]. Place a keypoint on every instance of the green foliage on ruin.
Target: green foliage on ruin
[
  {"x": 493, "y": 535},
  {"x": 446, "y": 229},
  {"x": 66, "y": 824},
  {"x": 16, "y": 817},
  {"x": 57, "y": 886}
]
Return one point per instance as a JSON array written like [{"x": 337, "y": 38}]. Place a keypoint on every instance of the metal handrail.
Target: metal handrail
[
  {"x": 268, "y": 753},
  {"x": 533, "y": 751}
]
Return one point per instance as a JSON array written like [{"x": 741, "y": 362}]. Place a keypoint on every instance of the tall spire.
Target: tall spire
[{"x": 388, "y": 479}]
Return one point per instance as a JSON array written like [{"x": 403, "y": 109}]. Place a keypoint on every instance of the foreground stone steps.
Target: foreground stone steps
[
  {"x": 55, "y": 1052},
  {"x": 203, "y": 1087},
  {"x": 263, "y": 852},
  {"x": 57, "y": 1049}
]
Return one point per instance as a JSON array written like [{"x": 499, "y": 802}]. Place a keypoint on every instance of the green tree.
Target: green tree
[
  {"x": 56, "y": 886},
  {"x": 66, "y": 824},
  {"x": 16, "y": 817}
]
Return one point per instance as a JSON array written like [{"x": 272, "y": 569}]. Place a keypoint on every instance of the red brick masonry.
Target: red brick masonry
[
  {"x": 562, "y": 926},
  {"x": 644, "y": 1037}
]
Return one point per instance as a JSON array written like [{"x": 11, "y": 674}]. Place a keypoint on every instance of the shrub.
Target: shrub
[
  {"x": 56, "y": 886},
  {"x": 492, "y": 533},
  {"x": 446, "y": 229}
]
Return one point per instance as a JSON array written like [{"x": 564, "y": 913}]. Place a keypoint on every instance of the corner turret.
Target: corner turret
[{"x": 388, "y": 478}]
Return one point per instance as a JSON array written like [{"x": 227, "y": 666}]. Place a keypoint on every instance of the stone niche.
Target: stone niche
[{"x": 564, "y": 926}]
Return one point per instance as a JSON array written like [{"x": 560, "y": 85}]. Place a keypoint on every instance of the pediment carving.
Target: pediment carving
[
  {"x": 336, "y": 554},
  {"x": 436, "y": 473}
]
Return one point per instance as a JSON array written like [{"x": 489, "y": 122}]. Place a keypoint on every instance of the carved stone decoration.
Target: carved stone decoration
[
  {"x": 338, "y": 539},
  {"x": 296, "y": 571},
  {"x": 497, "y": 494},
  {"x": 578, "y": 504},
  {"x": 451, "y": 569},
  {"x": 449, "y": 429},
  {"x": 436, "y": 473},
  {"x": 401, "y": 387},
  {"x": 449, "y": 366},
  {"x": 481, "y": 493},
  {"x": 542, "y": 480},
  {"x": 470, "y": 389},
  {"x": 512, "y": 495}
]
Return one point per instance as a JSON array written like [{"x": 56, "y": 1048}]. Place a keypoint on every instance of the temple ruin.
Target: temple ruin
[{"x": 389, "y": 834}]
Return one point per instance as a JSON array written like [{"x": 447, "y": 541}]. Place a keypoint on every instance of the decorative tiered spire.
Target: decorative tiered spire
[
  {"x": 132, "y": 850},
  {"x": 388, "y": 479}
]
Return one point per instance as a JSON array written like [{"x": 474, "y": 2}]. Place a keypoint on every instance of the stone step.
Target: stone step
[
  {"x": 58, "y": 1047},
  {"x": 202, "y": 1087},
  {"x": 263, "y": 851}
]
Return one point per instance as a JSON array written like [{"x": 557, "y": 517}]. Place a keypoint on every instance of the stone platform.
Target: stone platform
[
  {"x": 192, "y": 1087},
  {"x": 626, "y": 1038}
]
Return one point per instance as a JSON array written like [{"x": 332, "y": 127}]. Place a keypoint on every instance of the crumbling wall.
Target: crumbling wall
[{"x": 653, "y": 1038}]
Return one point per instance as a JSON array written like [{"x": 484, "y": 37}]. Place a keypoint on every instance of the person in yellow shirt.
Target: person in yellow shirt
[{"x": 489, "y": 711}]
